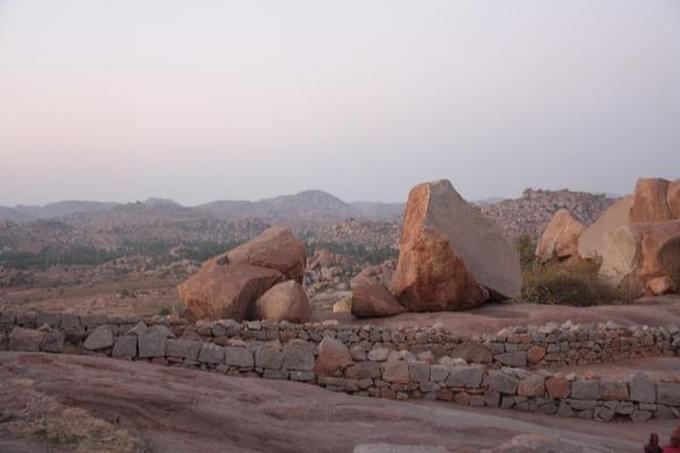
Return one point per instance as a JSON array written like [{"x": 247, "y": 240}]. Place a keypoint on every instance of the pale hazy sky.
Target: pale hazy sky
[{"x": 204, "y": 100}]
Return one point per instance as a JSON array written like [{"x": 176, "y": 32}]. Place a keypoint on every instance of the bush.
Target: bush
[
  {"x": 570, "y": 284},
  {"x": 526, "y": 247}
]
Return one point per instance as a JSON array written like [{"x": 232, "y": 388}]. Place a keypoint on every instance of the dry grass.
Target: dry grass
[
  {"x": 575, "y": 284},
  {"x": 34, "y": 415}
]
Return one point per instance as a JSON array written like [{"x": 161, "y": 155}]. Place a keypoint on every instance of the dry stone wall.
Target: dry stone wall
[{"x": 510, "y": 369}]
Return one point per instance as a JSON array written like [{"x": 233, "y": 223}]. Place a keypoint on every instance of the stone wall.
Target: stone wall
[{"x": 509, "y": 369}]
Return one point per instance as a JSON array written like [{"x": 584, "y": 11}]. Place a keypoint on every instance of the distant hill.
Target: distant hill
[
  {"x": 62, "y": 209},
  {"x": 306, "y": 209},
  {"x": 13, "y": 215}
]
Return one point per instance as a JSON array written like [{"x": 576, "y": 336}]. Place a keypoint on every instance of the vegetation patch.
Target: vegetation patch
[{"x": 566, "y": 283}]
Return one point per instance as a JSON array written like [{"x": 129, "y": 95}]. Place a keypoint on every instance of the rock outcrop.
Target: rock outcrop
[
  {"x": 451, "y": 257},
  {"x": 641, "y": 252},
  {"x": 275, "y": 248},
  {"x": 650, "y": 202},
  {"x": 560, "y": 239},
  {"x": 228, "y": 286},
  {"x": 594, "y": 240},
  {"x": 284, "y": 301},
  {"x": 370, "y": 299}
]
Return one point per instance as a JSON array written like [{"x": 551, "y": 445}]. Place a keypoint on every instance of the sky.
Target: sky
[{"x": 205, "y": 100}]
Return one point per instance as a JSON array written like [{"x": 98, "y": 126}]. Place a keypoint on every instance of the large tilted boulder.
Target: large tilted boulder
[
  {"x": 594, "y": 241},
  {"x": 650, "y": 203},
  {"x": 639, "y": 253},
  {"x": 229, "y": 285},
  {"x": 451, "y": 257},
  {"x": 560, "y": 238},
  {"x": 673, "y": 198},
  {"x": 276, "y": 248},
  {"x": 226, "y": 291},
  {"x": 284, "y": 301},
  {"x": 370, "y": 299}
]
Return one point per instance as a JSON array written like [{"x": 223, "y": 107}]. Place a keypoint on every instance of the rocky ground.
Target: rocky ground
[{"x": 56, "y": 396}]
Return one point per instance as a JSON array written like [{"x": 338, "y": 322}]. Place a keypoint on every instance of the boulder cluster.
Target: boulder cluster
[
  {"x": 637, "y": 239},
  {"x": 261, "y": 279}
]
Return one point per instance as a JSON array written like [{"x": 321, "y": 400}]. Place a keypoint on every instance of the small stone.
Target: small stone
[
  {"x": 469, "y": 376},
  {"x": 585, "y": 389},
  {"x": 211, "y": 353},
  {"x": 517, "y": 359},
  {"x": 396, "y": 372},
  {"x": 438, "y": 373},
  {"x": 502, "y": 382},
  {"x": 333, "y": 357},
  {"x": 358, "y": 353},
  {"x": 269, "y": 356},
  {"x": 419, "y": 371},
  {"x": 125, "y": 347},
  {"x": 378, "y": 354},
  {"x": 558, "y": 387},
  {"x": 186, "y": 349},
  {"x": 363, "y": 370},
  {"x": 613, "y": 390},
  {"x": 298, "y": 356},
  {"x": 54, "y": 342},
  {"x": 152, "y": 344},
  {"x": 28, "y": 340},
  {"x": 533, "y": 385},
  {"x": 640, "y": 416},
  {"x": 642, "y": 388},
  {"x": 239, "y": 357},
  {"x": 535, "y": 354},
  {"x": 668, "y": 394},
  {"x": 139, "y": 330},
  {"x": 100, "y": 338}
]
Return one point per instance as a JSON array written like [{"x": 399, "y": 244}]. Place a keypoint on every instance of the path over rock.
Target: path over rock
[
  {"x": 490, "y": 318},
  {"x": 188, "y": 413}
]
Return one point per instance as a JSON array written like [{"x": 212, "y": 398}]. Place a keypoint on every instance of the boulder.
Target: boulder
[
  {"x": 641, "y": 252},
  {"x": 276, "y": 248},
  {"x": 284, "y": 301},
  {"x": 594, "y": 241},
  {"x": 673, "y": 198},
  {"x": 660, "y": 285},
  {"x": 451, "y": 257},
  {"x": 226, "y": 291},
  {"x": 370, "y": 299},
  {"x": 650, "y": 202},
  {"x": 560, "y": 238}
]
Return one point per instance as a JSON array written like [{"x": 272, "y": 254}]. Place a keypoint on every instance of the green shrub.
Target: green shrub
[{"x": 526, "y": 247}]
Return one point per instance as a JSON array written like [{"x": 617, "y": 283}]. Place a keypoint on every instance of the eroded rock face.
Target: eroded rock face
[
  {"x": 284, "y": 301},
  {"x": 226, "y": 291},
  {"x": 594, "y": 241},
  {"x": 673, "y": 198},
  {"x": 650, "y": 201},
  {"x": 370, "y": 299},
  {"x": 560, "y": 239},
  {"x": 275, "y": 248},
  {"x": 641, "y": 252},
  {"x": 451, "y": 257}
]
